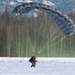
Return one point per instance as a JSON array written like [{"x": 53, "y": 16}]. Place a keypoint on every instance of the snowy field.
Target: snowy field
[{"x": 44, "y": 66}]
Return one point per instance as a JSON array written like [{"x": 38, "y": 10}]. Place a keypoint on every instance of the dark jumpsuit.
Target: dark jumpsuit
[{"x": 33, "y": 61}]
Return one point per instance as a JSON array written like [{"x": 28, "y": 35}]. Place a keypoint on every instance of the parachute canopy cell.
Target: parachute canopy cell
[{"x": 61, "y": 19}]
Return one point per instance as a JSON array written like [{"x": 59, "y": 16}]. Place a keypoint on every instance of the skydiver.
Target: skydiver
[{"x": 33, "y": 61}]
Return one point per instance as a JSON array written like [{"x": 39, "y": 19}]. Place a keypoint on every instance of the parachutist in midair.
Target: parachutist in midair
[{"x": 33, "y": 61}]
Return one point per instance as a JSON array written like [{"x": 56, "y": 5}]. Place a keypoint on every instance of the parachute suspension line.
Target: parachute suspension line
[
  {"x": 35, "y": 39},
  {"x": 43, "y": 33},
  {"x": 33, "y": 43},
  {"x": 58, "y": 41},
  {"x": 34, "y": 36},
  {"x": 44, "y": 30},
  {"x": 57, "y": 36},
  {"x": 61, "y": 40},
  {"x": 53, "y": 44},
  {"x": 49, "y": 42},
  {"x": 40, "y": 28},
  {"x": 28, "y": 35},
  {"x": 53, "y": 33}
]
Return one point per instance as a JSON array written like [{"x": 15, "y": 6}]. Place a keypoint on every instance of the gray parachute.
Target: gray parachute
[{"x": 61, "y": 19}]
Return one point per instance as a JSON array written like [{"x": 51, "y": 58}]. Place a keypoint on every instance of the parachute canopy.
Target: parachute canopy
[{"x": 61, "y": 19}]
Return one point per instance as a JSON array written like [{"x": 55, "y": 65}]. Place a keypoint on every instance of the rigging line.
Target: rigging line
[
  {"x": 55, "y": 31},
  {"x": 25, "y": 27},
  {"x": 50, "y": 41},
  {"x": 57, "y": 36},
  {"x": 40, "y": 27},
  {"x": 28, "y": 32},
  {"x": 58, "y": 41},
  {"x": 53, "y": 44},
  {"x": 44, "y": 31},
  {"x": 35, "y": 36},
  {"x": 45, "y": 24},
  {"x": 40, "y": 31},
  {"x": 29, "y": 35},
  {"x": 42, "y": 48},
  {"x": 34, "y": 44}
]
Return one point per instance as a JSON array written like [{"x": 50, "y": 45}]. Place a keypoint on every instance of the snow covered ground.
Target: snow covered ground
[{"x": 44, "y": 66}]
